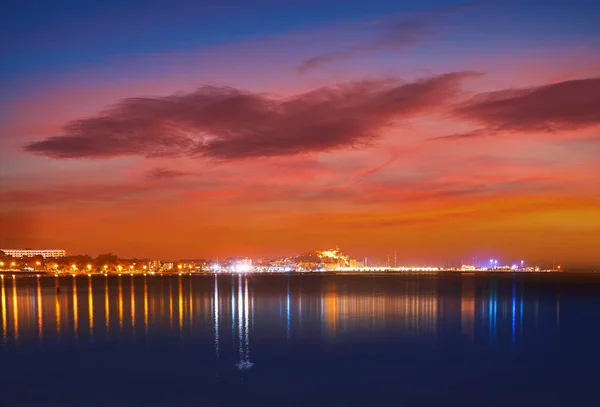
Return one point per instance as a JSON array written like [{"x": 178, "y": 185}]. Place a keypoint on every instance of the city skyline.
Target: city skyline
[
  {"x": 437, "y": 132},
  {"x": 331, "y": 260}
]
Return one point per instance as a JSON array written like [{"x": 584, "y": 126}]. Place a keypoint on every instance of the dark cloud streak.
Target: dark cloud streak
[
  {"x": 560, "y": 106},
  {"x": 228, "y": 123}
]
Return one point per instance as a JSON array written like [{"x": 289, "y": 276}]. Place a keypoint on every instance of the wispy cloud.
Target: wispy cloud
[
  {"x": 229, "y": 123},
  {"x": 395, "y": 33},
  {"x": 391, "y": 36}
]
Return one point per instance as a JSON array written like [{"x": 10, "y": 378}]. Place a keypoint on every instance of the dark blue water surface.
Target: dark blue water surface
[{"x": 306, "y": 340}]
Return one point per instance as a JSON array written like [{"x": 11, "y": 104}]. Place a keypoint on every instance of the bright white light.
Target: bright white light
[{"x": 241, "y": 267}]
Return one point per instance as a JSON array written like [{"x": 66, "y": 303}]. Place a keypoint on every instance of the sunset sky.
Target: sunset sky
[{"x": 438, "y": 129}]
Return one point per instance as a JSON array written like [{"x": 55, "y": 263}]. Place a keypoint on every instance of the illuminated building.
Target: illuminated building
[
  {"x": 333, "y": 259},
  {"x": 34, "y": 252}
]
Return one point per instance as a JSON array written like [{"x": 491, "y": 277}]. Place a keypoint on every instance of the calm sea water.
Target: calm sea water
[{"x": 305, "y": 340}]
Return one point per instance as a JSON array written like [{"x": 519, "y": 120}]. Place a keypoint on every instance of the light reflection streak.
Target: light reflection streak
[
  {"x": 521, "y": 311},
  {"x": 106, "y": 305},
  {"x": 170, "y": 304},
  {"x": 91, "y": 307},
  {"x": 287, "y": 310},
  {"x": 120, "y": 304},
  {"x": 4, "y": 333},
  {"x": 15, "y": 312},
  {"x": 146, "y": 306},
  {"x": 180, "y": 305},
  {"x": 243, "y": 325},
  {"x": 491, "y": 312},
  {"x": 133, "y": 305},
  {"x": 239, "y": 318},
  {"x": 75, "y": 309},
  {"x": 191, "y": 307},
  {"x": 467, "y": 307},
  {"x": 233, "y": 308},
  {"x": 216, "y": 315},
  {"x": 247, "y": 334},
  {"x": 514, "y": 311},
  {"x": 39, "y": 311},
  {"x": 57, "y": 310}
]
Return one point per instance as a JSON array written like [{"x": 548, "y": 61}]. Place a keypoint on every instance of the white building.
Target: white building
[{"x": 34, "y": 252}]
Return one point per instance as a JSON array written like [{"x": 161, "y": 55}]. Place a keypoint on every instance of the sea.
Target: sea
[{"x": 301, "y": 339}]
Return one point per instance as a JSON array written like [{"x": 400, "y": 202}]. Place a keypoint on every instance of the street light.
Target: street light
[{"x": 89, "y": 266}]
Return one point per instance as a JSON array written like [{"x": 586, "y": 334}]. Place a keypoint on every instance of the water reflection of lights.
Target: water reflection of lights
[
  {"x": 133, "y": 305},
  {"x": 216, "y": 315},
  {"x": 106, "y": 305},
  {"x": 57, "y": 311},
  {"x": 15, "y": 312},
  {"x": 467, "y": 307},
  {"x": 243, "y": 329},
  {"x": 240, "y": 319},
  {"x": 39, "y": 310},
  {"x": 145, "y": 306},
  {"x": 415, "y": 313},
  {"x": 170, "y": 304},
  {"x": 75, "y": 309},
  {"x": 287, "y": 311},
  {"x": 120, "y": 305},
  {"x": 91, "y": 307},
  {"x": 180, "y": 305},
  {"x": 419, "y": 309}
]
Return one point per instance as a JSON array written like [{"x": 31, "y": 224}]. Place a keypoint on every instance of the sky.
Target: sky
[{"x": 437, "y": 130}]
